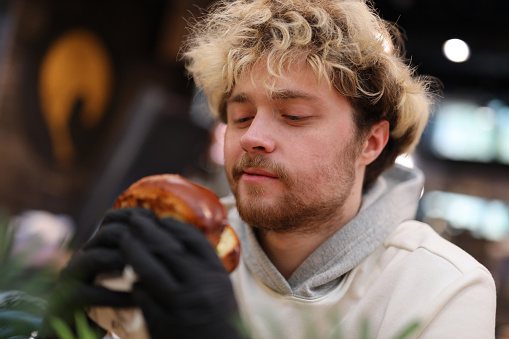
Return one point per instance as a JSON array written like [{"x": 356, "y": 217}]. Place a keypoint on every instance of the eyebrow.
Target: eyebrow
[
  {"x": 239, "y": 98},
  {"x": 286, "y": 94}
]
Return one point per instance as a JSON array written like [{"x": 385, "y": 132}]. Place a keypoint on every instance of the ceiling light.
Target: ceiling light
[{"x": 456, "y": 50}]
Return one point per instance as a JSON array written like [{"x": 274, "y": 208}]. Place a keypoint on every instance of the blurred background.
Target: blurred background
[{"x": 93, "y": 97}]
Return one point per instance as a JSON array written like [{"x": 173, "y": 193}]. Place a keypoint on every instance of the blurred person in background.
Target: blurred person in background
[{"x": 318, "y": 102}]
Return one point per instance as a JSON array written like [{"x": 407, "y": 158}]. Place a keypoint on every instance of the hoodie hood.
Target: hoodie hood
[{"x": 393, "y": 199}]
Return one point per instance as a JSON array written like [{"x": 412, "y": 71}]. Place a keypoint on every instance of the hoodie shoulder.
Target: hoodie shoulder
[{"x": 413, "y": 236}]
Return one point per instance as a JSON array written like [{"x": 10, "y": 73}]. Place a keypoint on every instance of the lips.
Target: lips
[
  {"x": 258, "y": 169},
  {"x": 258, "y": 176},
  {"x": 260, "y": 172}
]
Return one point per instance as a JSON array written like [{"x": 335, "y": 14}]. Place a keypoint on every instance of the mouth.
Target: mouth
[
  {"x": 259, "y": 172},
  {"x": 258, "y": 175}
]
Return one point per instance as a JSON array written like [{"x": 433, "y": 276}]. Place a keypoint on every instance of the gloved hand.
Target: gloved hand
[
  {"x": 183, "y": 289},
  {"x": 75, "y": 291}
]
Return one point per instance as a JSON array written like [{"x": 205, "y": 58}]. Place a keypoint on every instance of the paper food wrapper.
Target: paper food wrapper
[{"x": 125, "y": 323}]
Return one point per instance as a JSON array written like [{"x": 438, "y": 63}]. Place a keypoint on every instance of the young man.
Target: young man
[{"x": 318, "y": 104}]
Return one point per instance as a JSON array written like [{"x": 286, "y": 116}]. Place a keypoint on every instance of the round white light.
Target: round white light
[{"x": 456, "y": 50}]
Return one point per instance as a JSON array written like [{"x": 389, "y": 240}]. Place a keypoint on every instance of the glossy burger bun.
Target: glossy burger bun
[{"x": 173, "y": 196}]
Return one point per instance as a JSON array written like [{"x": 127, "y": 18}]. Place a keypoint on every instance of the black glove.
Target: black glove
[
  {"x": 75, "y": 291},
  {"x": 183, "y": 289}
]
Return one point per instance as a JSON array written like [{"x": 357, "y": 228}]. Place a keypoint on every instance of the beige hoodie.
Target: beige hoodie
[{"x": 381, "y": 273}]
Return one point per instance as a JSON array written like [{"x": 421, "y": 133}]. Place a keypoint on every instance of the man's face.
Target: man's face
[{"x": 291, "y": 156}]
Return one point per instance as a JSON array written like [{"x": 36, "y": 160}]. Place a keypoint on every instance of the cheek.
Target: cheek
[
  {"x": 316, "y": 148},
  {"x": 231, "y": 149},
  {"x": 322, "y": 157}
]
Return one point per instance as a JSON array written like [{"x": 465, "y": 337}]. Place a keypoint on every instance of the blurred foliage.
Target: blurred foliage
[
  {"x": 83, "y": 330},
  {"x": 22, "y": 290},
  {"x": 328, "y": 327},
  {"x": 16, "y": 272}
]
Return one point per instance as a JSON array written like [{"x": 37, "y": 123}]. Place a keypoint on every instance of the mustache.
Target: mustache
[{"x": 261, "y": 162}]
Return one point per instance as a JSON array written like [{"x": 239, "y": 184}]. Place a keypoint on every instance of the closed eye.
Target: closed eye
[
  {"x": 242, "y": 120},
  {"x": 293, "y": 117},
  {"x": 296, "y": 117}
]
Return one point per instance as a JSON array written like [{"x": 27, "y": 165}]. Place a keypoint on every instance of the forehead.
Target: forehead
[
  {"x": 296, "y": 81},
  {"x": 296, "y": 76}
]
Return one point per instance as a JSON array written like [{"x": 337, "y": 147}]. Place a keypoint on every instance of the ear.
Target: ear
[{"x": 375, "y": 142}]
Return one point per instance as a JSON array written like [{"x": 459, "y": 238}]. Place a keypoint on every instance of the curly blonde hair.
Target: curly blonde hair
[{"x": 344, "y": 41}]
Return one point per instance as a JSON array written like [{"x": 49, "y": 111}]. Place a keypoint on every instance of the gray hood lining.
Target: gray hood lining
[{"x": 392, "y": 200}]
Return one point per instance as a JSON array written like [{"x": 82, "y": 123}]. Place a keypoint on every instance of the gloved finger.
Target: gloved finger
[
  {"x": 108, "y": 236},
  {"x": 187, "y": 315},
  {"x": 122, "y": 215},
  {"x": 193, "y": 239},
  {"x": 183, "y": 237},
  {"x": 85, "y": 265},
  {"x": 185, "y": 265},
  {"x": 78, "y": 295},
  {"x": 159, "y": 319},
  {"x": 153, "y": 275},
  {"x": 93, "y": 295},
  {"x": 152, "y": 230},
  {"x": 154, "y": 236}
]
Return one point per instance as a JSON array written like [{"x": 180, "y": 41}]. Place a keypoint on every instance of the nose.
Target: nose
[{"x": 258, "y": 136}]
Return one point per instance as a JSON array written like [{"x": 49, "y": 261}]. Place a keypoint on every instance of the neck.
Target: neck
[{"x": 288, "y": 250}]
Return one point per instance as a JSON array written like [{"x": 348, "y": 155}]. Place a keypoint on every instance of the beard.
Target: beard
[{"x": 305, "y": 205}]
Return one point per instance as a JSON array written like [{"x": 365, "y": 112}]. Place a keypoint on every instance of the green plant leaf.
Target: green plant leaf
[
  {"x": 6, "y": 236},
  {"x": 82, "y": 327},
  {"x": 407, "y": 331},
  {"x": 364, "y": 329},
  {"x": 61, "y": 329}
]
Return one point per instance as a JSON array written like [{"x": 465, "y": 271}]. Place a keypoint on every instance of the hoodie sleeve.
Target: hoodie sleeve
[
  {"x": 465, "y": 309},
  {"x": 453, "y": 295}
]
